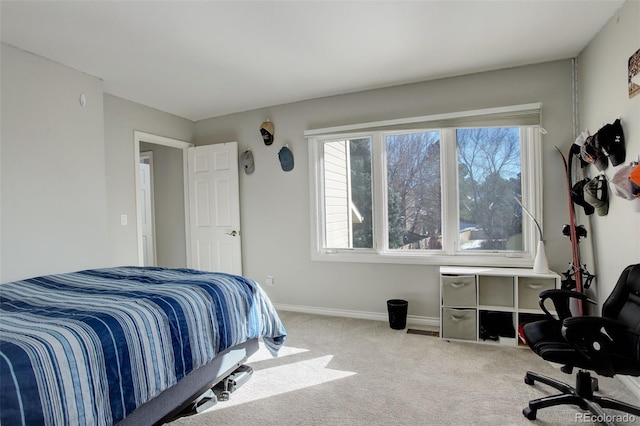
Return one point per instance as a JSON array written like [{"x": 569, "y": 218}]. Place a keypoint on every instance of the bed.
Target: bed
[{"x": 129, "y": 345}]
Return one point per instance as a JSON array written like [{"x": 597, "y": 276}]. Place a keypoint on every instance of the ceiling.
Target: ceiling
[{"x": 210, "y": 58}]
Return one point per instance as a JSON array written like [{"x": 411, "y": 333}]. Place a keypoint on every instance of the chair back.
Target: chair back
[{"x": 623, "y": 304}]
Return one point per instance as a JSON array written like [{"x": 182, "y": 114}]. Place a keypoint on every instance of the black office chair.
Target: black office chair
[{"x": 607, "y": 345}]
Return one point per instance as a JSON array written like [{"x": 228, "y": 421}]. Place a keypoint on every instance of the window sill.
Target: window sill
[{"x": 477, "y": 259}]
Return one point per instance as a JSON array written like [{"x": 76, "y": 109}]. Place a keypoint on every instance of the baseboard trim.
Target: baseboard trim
[
  {"x": 375, "y": 316},
  {"x": 632, "y": 384}
]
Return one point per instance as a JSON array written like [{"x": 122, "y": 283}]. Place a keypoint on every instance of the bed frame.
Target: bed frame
[{"x": 177, "y": 398}]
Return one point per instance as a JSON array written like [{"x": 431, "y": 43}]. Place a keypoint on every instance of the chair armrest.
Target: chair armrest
[
  {"x": 599, "y": 339},
  {"x": 560, "y": 299}
]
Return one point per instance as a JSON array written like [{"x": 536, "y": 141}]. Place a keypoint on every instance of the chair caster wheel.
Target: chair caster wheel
[
  {"x": 529, "y": 413},
  {"x": 528, "y": 380}
]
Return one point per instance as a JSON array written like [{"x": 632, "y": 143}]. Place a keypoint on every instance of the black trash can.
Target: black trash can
[{"x": 397, "y": 313}]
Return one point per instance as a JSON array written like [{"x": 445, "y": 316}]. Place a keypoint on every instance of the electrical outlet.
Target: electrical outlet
[{"x": 269, "y": 280}]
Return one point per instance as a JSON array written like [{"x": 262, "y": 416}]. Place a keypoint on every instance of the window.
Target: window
[
  {"x": 414, "y": 206},
  {"x": 438, "y": 189},
  {"x": 347, "y": 193},
  {"x": 489, "y": 170}
]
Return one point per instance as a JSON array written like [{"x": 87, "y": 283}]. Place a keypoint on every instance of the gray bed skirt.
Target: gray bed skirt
[{"x": 174, "y": 400}]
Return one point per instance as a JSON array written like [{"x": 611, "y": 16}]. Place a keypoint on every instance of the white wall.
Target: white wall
[
  {"x": 275, "y": 204},
  {"x": 121, "y": 119},
  {"x": 603, "y": 97},
  {"x": 53, "y": 168}
]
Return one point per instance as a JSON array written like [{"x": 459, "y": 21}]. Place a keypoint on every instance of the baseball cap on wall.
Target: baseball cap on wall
[
  {"x": 286, "y": 158},
  {"x": 610, "y": 139},
  {"x": 577, "y": 146},
  {"x": 592, "y": 153},
  {"x": 620, "y": 184},
  {"x": 634, "y": 179},
  {"x": 246, "y": 161},
  {"x": 577, "y": 196},
  {"x": 267, "y": 132},
  {"x": 596, "y": 193}
]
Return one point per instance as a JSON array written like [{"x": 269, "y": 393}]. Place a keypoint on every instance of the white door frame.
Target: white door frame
[
  {"x": 148, "y": 155},
  {"x": 173, "y": 143}
]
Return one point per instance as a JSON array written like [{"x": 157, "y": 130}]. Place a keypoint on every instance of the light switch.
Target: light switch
[{"x": 123, "y": 219}]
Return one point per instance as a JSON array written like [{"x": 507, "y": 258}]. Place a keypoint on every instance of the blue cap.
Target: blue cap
[{"x": 286, "y": 158}]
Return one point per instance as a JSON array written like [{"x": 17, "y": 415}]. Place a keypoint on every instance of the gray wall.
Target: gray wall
[
  {"x": 53, "y": 193},
  {"x": 68, "y": 171},
  {"x": 603, "y": 97},
  {"x": 121, "y": 119},
  {"x": 168, "y": 194},
  {"x": 58, "y": 158},
  {"x": 275, "y": 205}
]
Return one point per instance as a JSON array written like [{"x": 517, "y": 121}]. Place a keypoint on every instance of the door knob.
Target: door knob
[{"x": 232, "y": 233}]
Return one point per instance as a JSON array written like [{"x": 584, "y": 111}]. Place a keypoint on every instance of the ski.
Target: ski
[{"x": 575, "y": 270}]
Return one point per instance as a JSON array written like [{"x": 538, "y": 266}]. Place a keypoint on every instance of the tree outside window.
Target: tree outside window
[
  {"x": 489, "y": 177},
  {"x": 413, "y": 191}
]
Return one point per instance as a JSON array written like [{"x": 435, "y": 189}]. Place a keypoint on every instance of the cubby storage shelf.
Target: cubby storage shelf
[{"x": 488, "y": 305}]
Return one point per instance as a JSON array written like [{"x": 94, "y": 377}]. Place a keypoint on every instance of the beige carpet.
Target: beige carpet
[{"x": 341, "y": 371}]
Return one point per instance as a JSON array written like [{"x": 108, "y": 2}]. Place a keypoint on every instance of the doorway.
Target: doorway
[{"x": 169, "y": 238}]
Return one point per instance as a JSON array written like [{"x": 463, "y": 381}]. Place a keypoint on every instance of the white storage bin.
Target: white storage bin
[
  {"x": 459, "y": 290},
  {"x": 529, "y": 289},
  {"x": 495, "y": 291},
  {"x": 459, "y": 324}
]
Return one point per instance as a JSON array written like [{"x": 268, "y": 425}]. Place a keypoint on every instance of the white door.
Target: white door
[
  {"x": 146, "y": 212},
  {"x": 214, "y": 208}
]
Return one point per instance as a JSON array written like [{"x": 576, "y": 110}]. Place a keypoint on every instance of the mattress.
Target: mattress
[{"x": 89, "y": 347}]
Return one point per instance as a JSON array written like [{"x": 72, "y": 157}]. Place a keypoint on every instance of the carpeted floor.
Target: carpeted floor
[{"x": 341, "y": 371}]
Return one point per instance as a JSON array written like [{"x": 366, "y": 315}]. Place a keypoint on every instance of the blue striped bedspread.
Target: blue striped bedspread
[{"x": 88, "y": 347}]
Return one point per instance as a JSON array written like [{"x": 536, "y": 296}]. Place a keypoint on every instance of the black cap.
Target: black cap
[
  {"x": 610, "y": 138},
  {"x": 577, "y": 196},
  {"x": 591, "y": 152}
]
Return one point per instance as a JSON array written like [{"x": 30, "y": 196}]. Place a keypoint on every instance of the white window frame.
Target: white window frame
[{"x": 531, "y": 179}]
